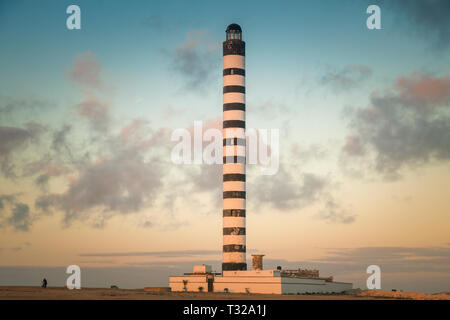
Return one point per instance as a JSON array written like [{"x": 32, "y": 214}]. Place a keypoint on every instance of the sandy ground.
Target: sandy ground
[
  {"x": 404, "y": 295},
  {"x": 55, "y": 293}
]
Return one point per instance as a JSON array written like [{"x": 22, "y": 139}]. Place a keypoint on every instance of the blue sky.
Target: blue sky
[{"x": 290, "y": 45}]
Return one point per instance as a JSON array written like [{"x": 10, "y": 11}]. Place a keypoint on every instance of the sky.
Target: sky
[{"x": 86, "y": 118}]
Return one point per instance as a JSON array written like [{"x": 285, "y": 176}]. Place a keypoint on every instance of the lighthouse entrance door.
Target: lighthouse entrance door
[{"x": 210, "y": 284}]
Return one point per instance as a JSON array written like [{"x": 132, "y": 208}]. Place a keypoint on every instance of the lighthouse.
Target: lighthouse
[
  {"x": 234, "y": 248},
  {"x": 235, "y": 278}
]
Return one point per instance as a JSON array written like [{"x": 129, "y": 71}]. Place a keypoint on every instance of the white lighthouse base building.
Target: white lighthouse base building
[{"x": 255, "y": 282}]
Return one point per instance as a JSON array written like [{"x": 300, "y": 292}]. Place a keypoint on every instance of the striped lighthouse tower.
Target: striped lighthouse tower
[{"x": 234, "y": 248}]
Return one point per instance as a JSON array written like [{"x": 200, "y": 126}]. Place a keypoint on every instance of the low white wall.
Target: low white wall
[
  {"x": 296, "y": 286},
  {"x": 193, "y": 283},
  {"x": 253, "y": 284}
]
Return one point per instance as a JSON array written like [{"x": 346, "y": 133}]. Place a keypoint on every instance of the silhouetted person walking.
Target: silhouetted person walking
[{"x": 44, "y": 283}]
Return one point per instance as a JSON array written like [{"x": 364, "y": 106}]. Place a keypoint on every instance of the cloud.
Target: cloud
[
  {"x": 428, "y": 18},
  {"x": 6, "y": 198},
  {"x": 195, "y": 59},
  {"x": 106, "y": 172},
  {"x": 60, "y": 143},
  {"x": 18, "y": 248},
  {"x": 14, "y": 213},
  {"x": 306, "y": 154},
  {"x": 166, "y": 254},
  {"x": 128, "y": 170},
  {"x": 123, "y": 179},
  {"x": 59, "y": 139},
  {"x": 95, "y": 111},
  {"x": 123, "y": 183},
  {"x": 347, "y": 78},
  {"x": 18, "y": 109},
  {"x": 13, "y": 139},
  {"x": 424, "y": 90},
  {"x": 50, "y": 171},
  {"x": 198, "y": 180},
  {"x": 48, "y": 165},
  {"x": 269, "y": 109},
  {"x": 87, "y": 71},
  {"x": 119, "y": 173},
  {"x": 207, "y": 178},
  {"x": 170, "y": 112},
  {"x": 334, "y": 213},
  {"x": 353, "y": 146},
  {"x": 20, "y": 218},
  {"x": 392, "y": 259},
  {"x": 405, "y": 126},
  {"x": 291, "y": 190},
  {"x": 283, "y": 191}
]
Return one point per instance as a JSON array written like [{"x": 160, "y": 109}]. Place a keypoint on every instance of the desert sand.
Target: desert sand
[
  {"x": 404, "y": 295},
  {"x": 59, "y": 293}
]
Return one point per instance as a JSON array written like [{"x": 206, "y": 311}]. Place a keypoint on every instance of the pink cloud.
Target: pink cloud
[
  {"x": 140, "y": 136},
  {"x": 353, "y": 146},
  {"x": 87, "y": 71},
  {"x": 96, "y": 111},
  {"x": 424, "y": 87},
  {"x": 56, "y": 170},
  {"x": 132, "y": 128}
]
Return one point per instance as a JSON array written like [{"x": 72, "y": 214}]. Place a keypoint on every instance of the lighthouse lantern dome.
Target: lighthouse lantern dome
[{"x": 234, "y": 32}]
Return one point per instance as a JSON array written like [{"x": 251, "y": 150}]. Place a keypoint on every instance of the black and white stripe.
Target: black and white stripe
[{"x": 234, "y": 195}]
